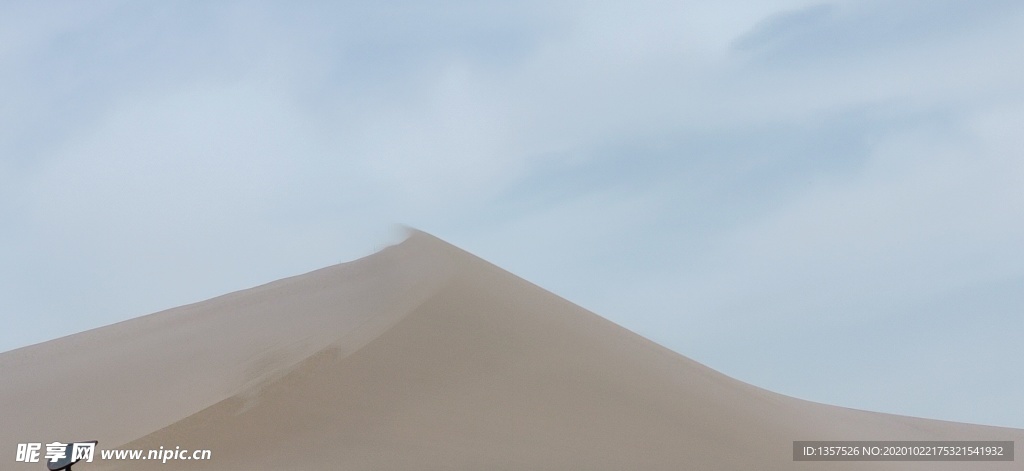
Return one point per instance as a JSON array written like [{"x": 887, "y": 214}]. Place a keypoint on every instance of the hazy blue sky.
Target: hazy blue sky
[{"x": 822, "y": 199}]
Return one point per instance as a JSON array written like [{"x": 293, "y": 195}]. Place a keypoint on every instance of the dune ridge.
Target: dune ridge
[{"x": 421, "y": 356}]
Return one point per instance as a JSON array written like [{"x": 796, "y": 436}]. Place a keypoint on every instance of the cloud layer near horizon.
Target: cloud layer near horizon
[{"x": 822, "y": 199}]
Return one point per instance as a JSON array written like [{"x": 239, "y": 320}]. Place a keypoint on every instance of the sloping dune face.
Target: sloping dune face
[{"x": 420, "y": 357}]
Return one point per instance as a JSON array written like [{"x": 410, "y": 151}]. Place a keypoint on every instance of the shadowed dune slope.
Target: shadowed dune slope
[{"x": 420, "y": 357}]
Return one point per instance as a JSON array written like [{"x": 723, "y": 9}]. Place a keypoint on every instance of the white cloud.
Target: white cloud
[
  {"x": 928, "y": 211},
  {"x": 432, "y": 151}
]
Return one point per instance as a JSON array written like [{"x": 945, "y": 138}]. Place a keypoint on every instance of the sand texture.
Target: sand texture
[{"x": 419, "y": 357}]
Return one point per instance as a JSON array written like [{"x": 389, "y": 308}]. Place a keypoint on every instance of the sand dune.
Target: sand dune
[{"x": 419, "y": 357}]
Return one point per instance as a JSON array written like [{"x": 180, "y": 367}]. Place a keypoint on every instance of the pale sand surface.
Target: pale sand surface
[{"x": 419, "y": 357}]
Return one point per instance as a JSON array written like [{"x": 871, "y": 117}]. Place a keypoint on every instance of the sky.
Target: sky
[{"x": 822, "y": 199}]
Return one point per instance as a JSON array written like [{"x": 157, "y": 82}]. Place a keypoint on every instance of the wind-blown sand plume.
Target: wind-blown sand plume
[{"x": 419, "y": 357}]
